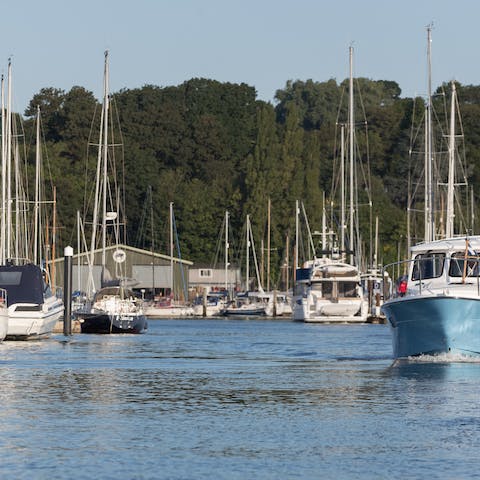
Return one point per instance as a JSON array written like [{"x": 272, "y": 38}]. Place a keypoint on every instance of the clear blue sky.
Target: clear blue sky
[{"x": 264, "y": 43}]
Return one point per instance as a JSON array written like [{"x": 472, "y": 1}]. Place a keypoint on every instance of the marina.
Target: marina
[
  {"x": 257, "y": 282},
  {"x": 235, "y": 399}
]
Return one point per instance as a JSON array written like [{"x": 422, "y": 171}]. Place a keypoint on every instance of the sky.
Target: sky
[{"x": 264, "y": 43}]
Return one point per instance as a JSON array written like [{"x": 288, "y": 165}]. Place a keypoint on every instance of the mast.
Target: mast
[
  {"x": 451, "y": 169},
  {"x": 4, "y": 184},
  {"x": 171, "y": 249},
  {"x": 54, "y": 239},
  {"x": 98, "y": 183},
  {"x": 342, "y": 192},
  {"x": 105, "y": 161},
  {"x": 152, "y": 247},
  {"x": 286, "y": 262},
  {"x": 429, "y": 199},
  {"x": 268, "y": 245},
  {"x": 324, "y": 227},
  {"x": 247, "y": 273},
  {"x": 226, "y": 251},
  {"x": 472, "y": 202},
  {"x": 295, "y": 260},
  {"x": 9, "y": 160},
  {"x": 79, "y": 250},
  {"x": 36, "y": 207},
  {"x": 352, "y": 160}
]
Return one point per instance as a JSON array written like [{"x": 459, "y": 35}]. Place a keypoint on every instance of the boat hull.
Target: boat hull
[
  {"x": 244, "y": 312},
  {"x": 434, "y": 325},
  {"x": 168, "y": 312},
  {"x": 104, "y": 323},
  {"x": 330, "y": 312},
  {"x": 25, "y": 324},
  {"x": 3, "y": 323}
]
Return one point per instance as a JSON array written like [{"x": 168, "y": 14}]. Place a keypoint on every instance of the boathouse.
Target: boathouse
[{"x": 146, "y": 272}]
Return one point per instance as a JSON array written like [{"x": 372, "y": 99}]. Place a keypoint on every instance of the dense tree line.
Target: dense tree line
[{"x": 209, "y": 147}]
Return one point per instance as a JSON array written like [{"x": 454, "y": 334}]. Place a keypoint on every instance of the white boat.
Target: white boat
[
  {"x": 244, "y": 306},
  {"x": 210, "y": 305},
  {"x": 113, "y": 308},
  {"x": 275, "y": 303},
  {"x": 27, "y": 299},
  {"x": 33, "y": 310},
  {"x": 329, "y": 292},
  {"x": 167, "y": 308}
]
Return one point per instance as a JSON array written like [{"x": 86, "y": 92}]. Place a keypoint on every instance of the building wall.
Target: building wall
[{"x": 147, "y": 270}]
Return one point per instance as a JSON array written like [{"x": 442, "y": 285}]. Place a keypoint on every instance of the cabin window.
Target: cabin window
[
  {"x": 10, "y": 278},
  {"x": 458, "y": 268},
  {"x": 347, "y": 289},
  {"x": 327, "y": 290},
  {"x": 205, "y": 273},
  {"x": 428, "y": 265}
]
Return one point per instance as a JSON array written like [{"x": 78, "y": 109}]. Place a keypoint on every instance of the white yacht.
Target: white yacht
[
  {"x": 328, "y": 291},
  {"x": 33, "y": 309}
]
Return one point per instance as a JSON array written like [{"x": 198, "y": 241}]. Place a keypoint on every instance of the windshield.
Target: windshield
[{"x": 428, "y": 265}]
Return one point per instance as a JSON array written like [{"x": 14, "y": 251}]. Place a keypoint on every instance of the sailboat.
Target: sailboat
[
  {"x": 113, "y": 308},
  {"x": 28, "y": 307},
  {"x": 328, "y": 288},
  {"x": 211, "y": 304},
  {"x": 439, "y": 313},
  {"x": 247, "y": 303},
  {"x": 169, "y": 307}
]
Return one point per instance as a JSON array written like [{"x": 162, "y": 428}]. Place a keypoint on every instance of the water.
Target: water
[{"x": 235, "y": 399}]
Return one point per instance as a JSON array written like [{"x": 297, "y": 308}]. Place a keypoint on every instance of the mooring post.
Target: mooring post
[{"x": 67, "y": 291}]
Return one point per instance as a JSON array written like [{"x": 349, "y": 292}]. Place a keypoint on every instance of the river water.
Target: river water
[{"x": 235, "y": 399}]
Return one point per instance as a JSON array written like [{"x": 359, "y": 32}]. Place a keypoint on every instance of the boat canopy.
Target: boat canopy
[{"x": 24, "y": 283}]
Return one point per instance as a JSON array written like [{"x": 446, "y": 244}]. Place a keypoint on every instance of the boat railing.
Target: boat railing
[{"x": 472, "y": 265}]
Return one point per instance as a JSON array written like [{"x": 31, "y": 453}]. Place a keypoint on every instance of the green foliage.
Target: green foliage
[{"x": 209, "y": 146}]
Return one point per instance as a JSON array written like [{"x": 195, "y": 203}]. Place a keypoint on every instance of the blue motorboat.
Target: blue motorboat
[{"x": 440, "y": 310}]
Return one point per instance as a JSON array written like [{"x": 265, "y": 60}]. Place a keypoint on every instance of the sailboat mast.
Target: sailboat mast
[
  {"x": 342, "y": 190},
  {"x": 98, "y": 184},
  {"x": 9, "y": 160},
  {"x": 429, "y": 200},
  {"x": 324, "y": 227},
  {"x": 295, "y": 260},
  {"x": 351, "y": 132},
  {"x": 226, "y": 251},
  {"x": 268, "y": 245},
  {"x": 36, "y": 207},
  {"x": 247, "y": 279},
  {"x": 105, "y": 160},
  {"x": 4, "y": 180},
  {"x": 451, "y": 168},
  {"x": 171, "y": 249}
]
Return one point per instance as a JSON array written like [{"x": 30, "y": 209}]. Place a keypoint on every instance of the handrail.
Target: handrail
[{"x": 401, "y": 263}]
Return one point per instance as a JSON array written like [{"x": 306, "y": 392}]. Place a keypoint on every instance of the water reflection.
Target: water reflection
[{"x": 203, "y": 399}]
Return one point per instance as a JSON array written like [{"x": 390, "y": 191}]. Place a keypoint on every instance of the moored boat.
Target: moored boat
[
  {"x": 329, "y": 291},
  {"x": 33, "y": 309},
  {"x": 113, "y": 308}
]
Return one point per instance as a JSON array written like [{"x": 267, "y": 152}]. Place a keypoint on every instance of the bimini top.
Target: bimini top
[
  {"x": 23, "y": 283},
  {"x": 448, "y": 245}
]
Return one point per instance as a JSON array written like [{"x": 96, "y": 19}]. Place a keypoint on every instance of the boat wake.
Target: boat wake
[{"x": 441, "y": 358}]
